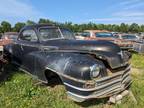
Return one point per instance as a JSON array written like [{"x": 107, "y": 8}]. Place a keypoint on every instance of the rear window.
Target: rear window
[
  {"x": 85, "y": 34},
  {"x": 49, "y": 33}
]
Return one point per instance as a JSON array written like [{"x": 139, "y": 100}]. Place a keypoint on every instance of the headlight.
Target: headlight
[{"x": 94, "y": 71}]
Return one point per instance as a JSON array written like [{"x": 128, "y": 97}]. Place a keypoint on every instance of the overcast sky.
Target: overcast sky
[{"x": 77, "y": 11}]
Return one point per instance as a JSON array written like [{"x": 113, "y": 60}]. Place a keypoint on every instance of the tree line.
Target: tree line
[{"x": 5, "y": 26}]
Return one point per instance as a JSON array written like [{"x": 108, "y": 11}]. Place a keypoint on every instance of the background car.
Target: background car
[
  {"x": 106, "y": 36},
  {"x": 129, "y": 37},
  {"x": 10, "y": 35}
]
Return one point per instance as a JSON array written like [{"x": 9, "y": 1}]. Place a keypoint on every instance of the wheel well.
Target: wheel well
[{"x": 52, "y": 77}]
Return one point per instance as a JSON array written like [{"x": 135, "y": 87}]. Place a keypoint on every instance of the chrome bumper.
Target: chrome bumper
[{"x": 104, "y": 87}]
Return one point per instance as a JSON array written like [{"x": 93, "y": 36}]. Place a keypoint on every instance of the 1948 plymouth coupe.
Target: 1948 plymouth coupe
[{"x": 88, "y": 69}]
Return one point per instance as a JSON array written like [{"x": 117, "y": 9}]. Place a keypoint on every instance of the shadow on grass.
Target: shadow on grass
[
  {"x": 93, "y": 102},
  {"x": 51, "y": 83},
  {"x": 7, "y": 72},
  {"x": 133, "y": 52}
]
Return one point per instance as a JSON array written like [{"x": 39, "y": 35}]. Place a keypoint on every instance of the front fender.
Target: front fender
[{"x": 73, "y": 65}]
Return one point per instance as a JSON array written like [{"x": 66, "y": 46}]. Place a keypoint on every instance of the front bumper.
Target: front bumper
[{"x": 104, "y": 87}]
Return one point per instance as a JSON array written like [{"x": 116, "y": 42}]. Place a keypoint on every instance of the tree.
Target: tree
[
  {"x": 18, "y": 26},
  {"x": 45, "y": 21},
  {"x": 142, "y": 28},
  {"x": 0, "y": 29},
  {"x": 101, "y": 26},
  {"x": 115, "y": 28},
  {"x": 124, "y": 28},
  {"x": 134, "y": 28},
  {"x": 5, "y": 26},
  {"x": 29, "y": 22}
]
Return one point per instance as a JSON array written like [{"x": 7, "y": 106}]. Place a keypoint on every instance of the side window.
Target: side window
[
  {"x": 67, "y": 34},
  {"x": 29, "y": 35}
]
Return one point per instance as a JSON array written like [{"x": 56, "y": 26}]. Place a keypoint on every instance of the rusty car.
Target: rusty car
[
  {"x": 107, "y": 36},
  {"x": 3, "y": 60},
  {"x": 10, "y": 35},
  {"x": 135, "y": 42},
  {"x": 87, "y": 68}
]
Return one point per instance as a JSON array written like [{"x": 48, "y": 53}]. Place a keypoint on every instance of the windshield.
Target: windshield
[
  {"x": 55, "y": 33},
  {"x": 104, "y": 35},
  {"x": 86, "y": 34},
  {"x": 129, "y": 37}
]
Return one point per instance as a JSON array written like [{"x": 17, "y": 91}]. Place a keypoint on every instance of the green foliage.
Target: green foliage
[
  {"x": 5, "y": 26},
  {"x": 124, "y": 27},
  {"x": 18, "y": 26},
  {"x": 45, "y": 21},
  {"x": 141, "y": 28},
  {"x": 137, "y": 62},
  {"x": 29, "y": 22},
  {"x": 133, "y": 28}
]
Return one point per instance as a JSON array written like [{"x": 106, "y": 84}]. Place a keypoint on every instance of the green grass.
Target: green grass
[
  {"x": 20, "y": 91},
  {"x": 138, "y": 61}
]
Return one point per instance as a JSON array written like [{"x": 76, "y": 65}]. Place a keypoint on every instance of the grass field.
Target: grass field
[{"x": 21, "y": 91}]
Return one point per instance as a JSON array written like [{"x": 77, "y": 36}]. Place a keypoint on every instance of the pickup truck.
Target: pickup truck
[{"x": 87, "y": 68}]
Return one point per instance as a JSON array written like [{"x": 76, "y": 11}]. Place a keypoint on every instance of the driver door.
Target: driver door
[{"x": 27, "y": 45}]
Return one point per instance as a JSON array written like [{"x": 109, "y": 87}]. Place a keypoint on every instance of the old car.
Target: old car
[
  {"x": 135, "y": 42},
  {"x": 88, "y": 69},
  {"x": 107, "y": 36},
  {"x": 129, "y": 37},
  {"x": 10, "y": 35},
  {"x": 3, "y": 60}
]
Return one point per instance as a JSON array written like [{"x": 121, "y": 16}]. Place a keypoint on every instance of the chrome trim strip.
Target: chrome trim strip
[
  {"x": 93, "y": 89},
  {"x": 106, "y": 93},
  {"x": 68, "y": 77},
  {"x": 116, "y": 88}
]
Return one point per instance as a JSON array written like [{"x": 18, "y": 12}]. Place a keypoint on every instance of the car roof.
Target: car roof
[
  {"x": 36, "y": 26},
  {"x": 96, "y": 31},
  {"x": 10, "y": 33}
]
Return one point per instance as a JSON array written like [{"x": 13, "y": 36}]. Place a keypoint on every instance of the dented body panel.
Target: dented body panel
[{"x": 73, "y": 60}]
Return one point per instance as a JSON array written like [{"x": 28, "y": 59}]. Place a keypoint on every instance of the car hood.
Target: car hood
[
  {"x": 104, "y": 50},
  {"x": 83, "y": 45}
]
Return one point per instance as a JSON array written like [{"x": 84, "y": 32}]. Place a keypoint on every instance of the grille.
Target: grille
[{"x": 115, "y": 83}]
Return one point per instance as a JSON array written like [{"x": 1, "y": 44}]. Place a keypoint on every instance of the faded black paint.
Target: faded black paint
[{"x": 70, "y": 59}]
